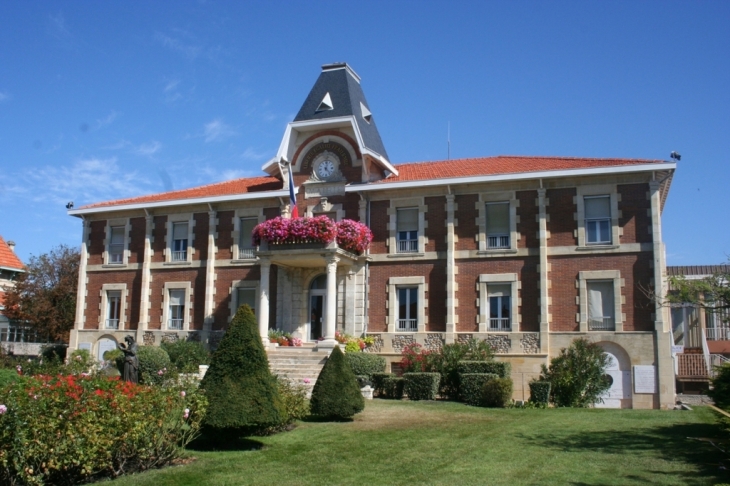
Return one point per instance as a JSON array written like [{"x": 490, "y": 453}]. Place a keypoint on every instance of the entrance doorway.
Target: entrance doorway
[
  {"x": 317, "y": 307},
  {"x": 620, "y": 385}
]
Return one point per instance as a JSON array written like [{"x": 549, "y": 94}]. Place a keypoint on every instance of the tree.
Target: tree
[
  {"x": 711, "y": 293},
  {"x": 577, "y": 376},
  {"x": 242, "y": 392},
  {"x": 336, "y": 395},
  {"x": 45, "y": 295}
]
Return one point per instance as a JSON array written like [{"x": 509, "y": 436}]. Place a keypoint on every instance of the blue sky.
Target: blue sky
[{"x": 103, "y": 100}]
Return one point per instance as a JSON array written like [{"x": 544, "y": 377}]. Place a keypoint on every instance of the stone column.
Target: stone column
[
  {"x": 451, "y": 287},
  {"x": 81, "y": 287},
  {"x": 144, "y": 300},
  {"x": 264, "y": 301},
  {"x": 662, "y": 328},
  {"x": 331, "y": 309},
  {"x": 544, "y": 267},
  {"x": 210, "y": 273}
]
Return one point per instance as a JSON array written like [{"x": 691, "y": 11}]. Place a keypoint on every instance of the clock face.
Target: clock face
[{"x": 325, "y": 169}]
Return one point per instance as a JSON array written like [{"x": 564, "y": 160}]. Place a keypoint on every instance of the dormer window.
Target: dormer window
[
  {"x": 366, "y": 115},
  {"x": 325, "y": 104}
]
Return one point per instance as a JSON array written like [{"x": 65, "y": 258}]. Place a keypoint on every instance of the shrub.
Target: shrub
[
  {"x": 472, "y": 385},
  {"x": 363, "y": 381},
  {"x": 9, "y": 376},
  {"x": 241, "y": 390},
  {"x": 336, "y": 395},
  {"x": 393, "y": 387},
  {"x": 497, "y": 392},
  {"x": 296, "y": 405},
  {"x": 186, "y": 356},
  {"x": 80, "y": 361},
  {"x": 577, "y": 375},
  {"x": 421, "y": 386},
  {"x": 415, "y": 359},
  {"x": 365, "y": 363},
  {"x": 73, "y": 429},
  {"x": 499, "y": 368},
  {"x": 54, "y": 351},
  {"x": 154, "y": 365},
  {"x": 447, "y": 361},
  {"x": 379, "y": 383},
  {"x": 540, "y": 392},
  {"x": 720, "y": 391}
]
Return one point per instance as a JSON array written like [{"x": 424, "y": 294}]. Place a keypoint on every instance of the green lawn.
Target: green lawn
[{"x": 449, "y": 443}]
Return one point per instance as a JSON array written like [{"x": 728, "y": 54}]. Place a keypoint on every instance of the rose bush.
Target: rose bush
[{"x": 70, "y": 429}]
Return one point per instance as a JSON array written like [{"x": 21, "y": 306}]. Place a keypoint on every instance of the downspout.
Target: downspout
[{"x": 366, "y": 314}]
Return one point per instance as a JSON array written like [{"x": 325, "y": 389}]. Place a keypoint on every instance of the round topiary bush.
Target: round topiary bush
[
  {"x": 497, "y": 392},
  {"x": 336, "y": 395},
  {"x": 186, "y": 356},
  {"x": 154, "y": 364},
  {"x": 242, "y": 393}
]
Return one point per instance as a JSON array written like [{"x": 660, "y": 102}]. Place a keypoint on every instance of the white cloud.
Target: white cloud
[
  {"x": 4, "y": 96},
  {"x": 108, "y": 120},
  {"x": 216, "y": 131},
  {"x": 58, "y": 25},
  {"x": 188, "y": 50},
  {"x": 171, "y": 91},
  {"x": 148, "y": 149},
  {"x": 251, "y": 154},
  {"x": 85, "y": 181}
]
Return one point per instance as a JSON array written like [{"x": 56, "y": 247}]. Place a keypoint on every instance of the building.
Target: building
[
  {"x": 528, "y": 253},
  {"x": 14, "y": 337}
]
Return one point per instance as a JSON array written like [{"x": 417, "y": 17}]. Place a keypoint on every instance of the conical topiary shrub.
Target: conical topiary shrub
[
  {"x": 241, "y": 391},
  {"x": 336, "y": 394}
]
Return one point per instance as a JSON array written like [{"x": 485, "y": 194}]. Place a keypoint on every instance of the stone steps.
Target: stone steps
[{"x": 297, "y": 364}]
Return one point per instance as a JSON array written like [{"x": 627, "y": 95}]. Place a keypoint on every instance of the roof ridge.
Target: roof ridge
[{"x": 544, "y": 157}]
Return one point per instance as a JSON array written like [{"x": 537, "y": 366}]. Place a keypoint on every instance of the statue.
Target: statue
[{"x": 131, "y": 362}]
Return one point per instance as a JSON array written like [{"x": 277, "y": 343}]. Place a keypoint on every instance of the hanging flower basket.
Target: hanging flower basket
[{"x": 350, "y": 235}]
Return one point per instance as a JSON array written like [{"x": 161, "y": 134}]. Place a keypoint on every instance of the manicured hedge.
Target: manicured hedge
[
  {"x": 497, "y": 392},
  {"x": 393, "y": 387},
  {"x": 540, "y": 392},
  {"x": 499, "y": 368},
  {"x": 471, "y": 386},
  {"x": 422, "y": 386},
  {"x": 378, "y": 380},
  {"x": 365, "y": 363}
]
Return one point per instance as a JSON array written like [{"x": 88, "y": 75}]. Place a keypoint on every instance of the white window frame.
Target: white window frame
[
  {"x": 618, "y": 298},
  {"x": 115, "y": 223},
  {"x": 394, "y": 283},
  {"x": 169, "y": 242},
  {"x": 246, "y": 213},
  {"x": 243, "y": 284},
  {"x": 188, "y": 288},
  {"x": 104, "y": 306},
  {"x": 410, "y": 203},
  {"x": 481, "y": 221},
  {"x": 592, "y": 191},
  {"x": 487, "y": 279}
]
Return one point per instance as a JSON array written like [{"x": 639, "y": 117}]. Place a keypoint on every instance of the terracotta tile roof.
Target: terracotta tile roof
[
  {"x": 8, "y": 258},
  {"x": 226, "y": 188},
  {"x": 501, "y": 164}
]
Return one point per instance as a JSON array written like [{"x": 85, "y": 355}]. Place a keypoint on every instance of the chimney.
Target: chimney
[{"x": 11, "y": 245}]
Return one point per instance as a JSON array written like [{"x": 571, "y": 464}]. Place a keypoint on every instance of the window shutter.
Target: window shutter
[
  {"x": 407, "y": 219},
  {"x": 117, "y": 235},
  {"x": 597, "y": 207},
  {"x": 499, "y": 290},
  {"x": 180, "y": 231},
  {"x": 600, "y": 299},
  {"x": 246, "y": 228},
  {"x": 177, "y": 297},
  {"x": 498, "y": 219}
]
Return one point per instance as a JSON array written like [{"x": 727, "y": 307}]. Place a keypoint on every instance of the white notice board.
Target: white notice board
[{"x": 645, "y": 379}]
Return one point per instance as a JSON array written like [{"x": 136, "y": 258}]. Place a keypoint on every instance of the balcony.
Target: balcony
[
  {"x": 601, "y": 324},
  {"x": 179, "y": 256},
  {"x": 498, "y": 241},
  {"x": 407, "y": 246},
  {"x": 175, "y": 324},
  {"x": 246, "y": 253},
  {"x": 112, "y": 323},
  {"x": 407, "y": 325},
  {"x": 500, "y": 324},
  {"x": 717, "y": 333}
]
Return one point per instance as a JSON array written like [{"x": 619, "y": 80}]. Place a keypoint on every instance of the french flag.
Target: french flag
[{"x": 292, "y": 199}]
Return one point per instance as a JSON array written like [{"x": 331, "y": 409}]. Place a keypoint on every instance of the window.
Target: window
[
  {"x": 177, "y": 309},
  {"x": 246, "y": 296},
  {"x": 179, "y": 242},
  {"x": 597, "y": 219},
  {"x": 601, "y": 305},
  {"x": 498, "y": 227},
  {"x": 116, "y": 244},
  {"x": 500, "y": 307},
  {"x": 113, "y": 308},
  {"x": 407, "y": 230},
  {"x": 407, "y": 309},
  {"x": 245, "y": 246}
]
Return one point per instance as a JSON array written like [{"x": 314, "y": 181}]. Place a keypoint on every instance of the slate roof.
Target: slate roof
[
  {"x": 501, "y": 164},
  {"x": 697, "y": 270},
  {"x": 340, "y": 81},
  {"x": 8, "y": 258}
]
